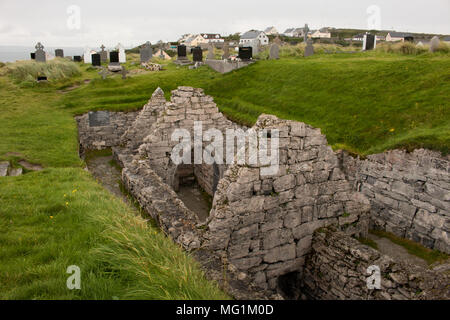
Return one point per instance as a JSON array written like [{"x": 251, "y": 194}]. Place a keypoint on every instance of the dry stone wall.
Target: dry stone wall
[
  {"x": 103, "y": 134},
  {"x": 336, "y": 269},
  {"x": 409, "y": 193},
  {"x": 263, "y": 225},
  {"x": 187, "y": 105}
]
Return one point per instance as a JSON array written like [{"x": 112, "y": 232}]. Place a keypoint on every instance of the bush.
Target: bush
[
  {"x": 57, "y": 69},
  {"x": 2, "y": 65}
]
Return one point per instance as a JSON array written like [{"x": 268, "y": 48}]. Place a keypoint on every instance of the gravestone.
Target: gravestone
[
  {"x": 146, "y": 52},
  {"x": 103, "y": 54},
  {"x": 305, "y": 33},
  {"x": 181, "y": 51},
  {"x": 124, "y": 72},
  {"x": 87, "y": 56},
  {"x": 40, "y": 53},
  {"x": 245, "y": 53},
  {"x": 182, "y": 57},
  {"x": 96, "y": 60},
  {"x": 211, "y": 55},
  {"x": 309, "y": 50},
  {"x": 122, "y": 54},
  {"x": 369, "y": 42},
  {"x": 434, "y": 44},
  {"x": 99, "y": 119},
  {"x": 59, "y": 53},
  {"x": 103, "y": 73},
  {"x": 114, "y": 57},
  {"x": 41, "y": 78},
  {"x": 198, "y": 54},
  {"x": 274, "y": 52},
  {"x": 33, "y": 55},
  {"x": 277, "y": 40},
  {"x": 226, "y": 51},
  {"x": 255, "y": 44},
  {"x": 77, "y": 58}
]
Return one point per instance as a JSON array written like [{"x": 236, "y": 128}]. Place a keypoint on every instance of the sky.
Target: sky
[{"x": 81, "y": 23}]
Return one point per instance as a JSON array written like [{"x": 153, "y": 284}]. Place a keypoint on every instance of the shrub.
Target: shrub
[
  {"x": 2, "y": 65},
  {"x": 57, "y": 69}
]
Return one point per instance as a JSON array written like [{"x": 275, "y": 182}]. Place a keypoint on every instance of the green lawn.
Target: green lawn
[{"x": 364, "y": 103}]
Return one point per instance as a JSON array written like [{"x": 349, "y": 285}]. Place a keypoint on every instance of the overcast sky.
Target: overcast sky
[{"x": 132, "y": 22}]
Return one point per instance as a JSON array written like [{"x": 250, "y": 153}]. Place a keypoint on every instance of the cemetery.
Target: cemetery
[{"x": 362, "y": 179}]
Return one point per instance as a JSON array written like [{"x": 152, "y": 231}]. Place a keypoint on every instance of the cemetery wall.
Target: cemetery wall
[
  {"x": 336, "y": 269},
  {"x": 263, "y": 225},
  {"x": 409, "y": 193},
  {"x": 107, "y": 134}
]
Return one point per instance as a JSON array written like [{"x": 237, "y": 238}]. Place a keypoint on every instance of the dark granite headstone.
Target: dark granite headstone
[
  {"x": 41, "y": 78},
  {"x": 198, "y": 54},
  {"x": 99, "y": 119},
  {"x": 77, "y": 58},
  {"x": 33, "y": 55},
  {"x": 181, "y": 51},
  {"x": 96, "y": 60},
  {"x": 245, "y": 53},
  {"x": 59, "y": 53},
  {"x": 369, "y": 42},
  {"x": 114, "y": 57}
]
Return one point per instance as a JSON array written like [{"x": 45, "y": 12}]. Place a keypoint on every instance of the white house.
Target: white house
[
  {"x": 397, "y": 36},
  {"x": 271, "y": 31},
  {"x": 323, "y": 33},
  {"x": 194, "y": 41},
  {"x": 251, "y": 35},
  {"x": 213, "y": 37},
  {"x": 294, "y": 32}
]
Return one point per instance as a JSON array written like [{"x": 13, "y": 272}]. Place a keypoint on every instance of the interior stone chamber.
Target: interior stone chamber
[{"x": 264, "y": 229}]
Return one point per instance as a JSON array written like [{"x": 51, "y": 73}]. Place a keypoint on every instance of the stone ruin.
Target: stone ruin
[{"x": 262, "y": 228}]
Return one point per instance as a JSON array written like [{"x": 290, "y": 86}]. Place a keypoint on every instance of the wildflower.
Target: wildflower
[
  {"x": 51, "y": 217},
  {"x": 75, "y": 191},
  {"x": 392, "y": 130},
  {"x": 65, "y": 196},
  {"x": 67, "y": 204}
]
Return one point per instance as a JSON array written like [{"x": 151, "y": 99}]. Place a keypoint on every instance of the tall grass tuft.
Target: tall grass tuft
[
  {"x": 409, "y": 48},
  {"x": 156, "y": 268},
  {"x": 54, "y": 70}
]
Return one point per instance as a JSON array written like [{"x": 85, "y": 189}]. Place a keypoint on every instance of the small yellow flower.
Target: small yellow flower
[
  {"x": 67, "y": 204},
  {"x": 392, "y": 130},
  {"x": 51, "y": 217},
  {"x": 74, "y": 191},
  {"x": 65, "y": 196}
]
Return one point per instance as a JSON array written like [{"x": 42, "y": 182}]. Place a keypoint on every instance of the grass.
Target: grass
[
  {"x": 414, "y": 248},
  {"x": 61, "y": 217},
  {"x": 368, "y": 242},
  {"x": 364, "y": 102},
  {"x": 26, "y": 72}
]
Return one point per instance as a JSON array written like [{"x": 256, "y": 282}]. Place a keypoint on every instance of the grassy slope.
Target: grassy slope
[
  {"x": 119, "y": 253},
  {"x": 366, "y": 103},
  {"x": 61, "y": 217}
]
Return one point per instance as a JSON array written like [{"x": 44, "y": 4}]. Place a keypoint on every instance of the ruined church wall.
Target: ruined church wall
[
  {"x": 409, "y": 193},
  {"x": 263, "y": 225},
  {"x": 336, "y": 269},
  {"x": 106, "y": 135}
]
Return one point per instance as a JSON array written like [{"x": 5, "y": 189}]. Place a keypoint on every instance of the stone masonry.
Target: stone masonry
[
  {"x": 260, "y": 230},
  {"x": 105, "y": 136},
  {"x": 263, "y": 225},
  {"x": 409, "y": 193},
  {"x": 336, "y": 269}
]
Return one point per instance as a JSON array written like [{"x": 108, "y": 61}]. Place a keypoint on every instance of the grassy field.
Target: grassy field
[
  {"x": 364, "y": 102},
  {"x": 61, "y": 216}
]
